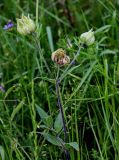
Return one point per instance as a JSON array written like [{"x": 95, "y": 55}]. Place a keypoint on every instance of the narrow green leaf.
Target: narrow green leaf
[
  {"x": 108, "y": 51},
  {"x": 50, "y": 38},
  {"x": 2, "y": 154},
  {"x": 82, "y": 80},
  {"x": 103, "y": 29},
  {"x": 58, "y": 123},
  {"x": 16, "y": 110}
]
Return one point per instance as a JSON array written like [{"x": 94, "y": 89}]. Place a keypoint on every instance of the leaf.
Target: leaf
[
  {"x": 47, "y": 119},
  {"x": 58, "y": 123},
  {"x": 108, "y": 51},
  {"x": 103, "y": 29},
  {"x": 2, "y": 153},
  {"x": 41, "y": 112},
  {"x": 52, "y": 139},
  {"x": 16, "y": 110},
  {"x": 50, "y": 38},
  {"x": 74, "y": 145}
]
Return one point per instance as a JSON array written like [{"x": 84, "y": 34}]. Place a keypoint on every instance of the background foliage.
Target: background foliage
[{"x": 89, "y": 92}]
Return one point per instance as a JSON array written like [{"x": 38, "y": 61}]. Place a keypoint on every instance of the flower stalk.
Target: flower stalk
[
  {"x": 60, "y": 104},
  {"x": 67, "y": 155}
]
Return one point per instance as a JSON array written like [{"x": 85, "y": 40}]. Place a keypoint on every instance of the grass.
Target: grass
[{"x": 30, "y": 121}]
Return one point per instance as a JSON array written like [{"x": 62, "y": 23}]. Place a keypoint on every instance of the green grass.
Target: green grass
[{"x": 30, "y": 123}]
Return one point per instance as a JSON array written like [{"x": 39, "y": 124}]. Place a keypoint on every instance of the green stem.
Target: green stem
[
  {"x": 37, "y": 4},
  {"x": 34, "y": 123}
]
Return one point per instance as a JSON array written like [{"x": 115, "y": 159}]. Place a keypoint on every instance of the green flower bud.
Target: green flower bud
[
  {"x": 25, "y": 25},
  {"x": 88, "y": 38}
]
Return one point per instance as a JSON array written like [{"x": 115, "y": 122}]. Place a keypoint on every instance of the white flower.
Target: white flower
[
  {"x": 88, "y": 38},
  {"x": 25, "y": 25}
]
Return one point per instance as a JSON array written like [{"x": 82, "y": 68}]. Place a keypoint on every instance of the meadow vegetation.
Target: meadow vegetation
[{"x": 31, "y": 126}]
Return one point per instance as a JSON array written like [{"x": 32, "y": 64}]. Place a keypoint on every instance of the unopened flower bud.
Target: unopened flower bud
[
  {"x": 25, "y": 25},
  {"x": 88, "y": 38},
  {"x": 60, "y": 57}
]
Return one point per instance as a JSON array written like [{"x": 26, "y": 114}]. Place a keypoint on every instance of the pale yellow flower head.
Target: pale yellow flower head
[
  {"x": 88, "y": 38},
  {"x": 25, "y": 25},
  {"x": 59, "y": 57}
]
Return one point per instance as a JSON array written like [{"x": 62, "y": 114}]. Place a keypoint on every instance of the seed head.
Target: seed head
[{"x": 59, "y": 57}]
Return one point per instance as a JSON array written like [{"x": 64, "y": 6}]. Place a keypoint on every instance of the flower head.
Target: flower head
[
  {"x": 60, "y": 57},
  {"x": 2, "y": 88},
  {"x": 9, "y": 25},
  {"x": 88, "y": 38},
  {"x": 25, "y": 25}
]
